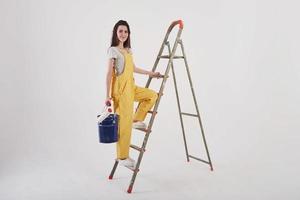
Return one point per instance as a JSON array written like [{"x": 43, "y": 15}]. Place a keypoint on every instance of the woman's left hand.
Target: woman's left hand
[{"x": 155, "y": 75}]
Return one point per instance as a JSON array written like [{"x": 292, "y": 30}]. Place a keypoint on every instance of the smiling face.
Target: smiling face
[{"x": 122, "y": 33}]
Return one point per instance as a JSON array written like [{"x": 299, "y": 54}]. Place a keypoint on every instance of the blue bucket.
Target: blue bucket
[{"x": 108, "y": 129}]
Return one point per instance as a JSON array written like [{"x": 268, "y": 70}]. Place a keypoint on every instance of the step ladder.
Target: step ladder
[{"x": 153, "y": 113}]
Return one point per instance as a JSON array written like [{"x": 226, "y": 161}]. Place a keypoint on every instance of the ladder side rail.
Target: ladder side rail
[
  {"x": 165, "y": 41},
  {"x": 179, "y": 107},
  {"x": 195, "y": 102},
  {"x": 154, "y": 110}
]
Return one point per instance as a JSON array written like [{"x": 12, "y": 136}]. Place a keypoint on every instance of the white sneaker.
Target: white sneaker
[
  {"x": 139, "y": 124},
  {"x": 128, "y": 162}
]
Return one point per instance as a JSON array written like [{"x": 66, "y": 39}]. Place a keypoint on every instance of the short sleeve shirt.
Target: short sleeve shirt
[{"x": 115, "y": 53}]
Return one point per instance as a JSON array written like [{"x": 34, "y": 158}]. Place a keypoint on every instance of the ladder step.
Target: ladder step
[
  {"x": 144, "y": 130},
  {"x": 137, "y": 148},
  {"x": 168, "y": 57},
  {"x": 162, "y": 76},
  {"x": 132, "y": 169},
  {"x": 151, "y": 112},
  {"x": 189, "y": 114}
]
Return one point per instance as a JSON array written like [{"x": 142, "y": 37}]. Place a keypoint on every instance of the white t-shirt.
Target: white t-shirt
[{"x": 116, "y": 54}]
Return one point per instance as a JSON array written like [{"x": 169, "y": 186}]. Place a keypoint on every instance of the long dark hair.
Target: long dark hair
[{"x": 114, "y": 38}]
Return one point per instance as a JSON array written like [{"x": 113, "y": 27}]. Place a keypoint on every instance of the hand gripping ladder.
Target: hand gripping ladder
[{"x": 153, "y": 113}]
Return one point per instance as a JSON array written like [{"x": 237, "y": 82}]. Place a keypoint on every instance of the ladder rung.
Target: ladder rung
[
  {"x": 168, "y": 57},
  {"x": 132, "y": 168},
  {"x": 189, "y": 114},
  {"x": 151, "y": 112},
  {"x": 137, "y": 148},
  {"x": 198, "y": 159},
  {"x": 144, "y": 130}
]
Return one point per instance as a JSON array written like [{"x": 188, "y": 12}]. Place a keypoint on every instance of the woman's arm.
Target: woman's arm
[
  {"x": 110, "y": 69},
  {"x": 141, "y": 71},
  {"x": 150, "y": 73}
]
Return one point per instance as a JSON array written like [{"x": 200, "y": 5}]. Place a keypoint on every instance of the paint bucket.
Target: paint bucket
[{"x": 108, "y": 129}]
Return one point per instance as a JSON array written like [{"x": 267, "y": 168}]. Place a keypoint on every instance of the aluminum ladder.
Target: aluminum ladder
[{"x": 153, "y": 113}]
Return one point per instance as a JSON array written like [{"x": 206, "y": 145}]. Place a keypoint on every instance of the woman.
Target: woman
[{"x": 123, "y": 91}]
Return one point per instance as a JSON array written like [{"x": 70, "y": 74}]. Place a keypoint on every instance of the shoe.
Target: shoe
[
  {"x": 128, "y": 162},
  {"x": 139, "y": 125}
]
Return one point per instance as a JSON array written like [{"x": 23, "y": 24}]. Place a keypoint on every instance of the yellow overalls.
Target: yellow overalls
[{"x": 124, "y": 93}]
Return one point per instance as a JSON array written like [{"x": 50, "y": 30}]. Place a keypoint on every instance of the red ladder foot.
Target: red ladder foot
[
  {"x": 129, "y": 189},
  {"x": 110, "y": 177}
]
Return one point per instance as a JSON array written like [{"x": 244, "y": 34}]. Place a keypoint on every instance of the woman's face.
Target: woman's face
[{"x": 122, "y": 33}]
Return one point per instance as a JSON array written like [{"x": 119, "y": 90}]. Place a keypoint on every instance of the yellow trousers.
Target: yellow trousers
[
  {"x": 124, "y": 93},
  {"x": 147, "y": 99}
]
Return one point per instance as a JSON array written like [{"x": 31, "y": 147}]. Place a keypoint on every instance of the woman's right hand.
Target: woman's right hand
[
  {"x": 108, "y": 101},
  {"x": 155, "y": 75}
]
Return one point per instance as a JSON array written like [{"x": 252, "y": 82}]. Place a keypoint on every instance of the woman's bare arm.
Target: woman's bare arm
[
  {"x": 150, "y": 73},
  {"x": 110, "y": 68}
]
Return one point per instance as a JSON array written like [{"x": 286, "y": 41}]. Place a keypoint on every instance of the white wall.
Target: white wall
[{"x": 244, "y": 59}]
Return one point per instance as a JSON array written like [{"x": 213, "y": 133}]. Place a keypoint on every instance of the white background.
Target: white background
[{"x": 244, "y": 60}]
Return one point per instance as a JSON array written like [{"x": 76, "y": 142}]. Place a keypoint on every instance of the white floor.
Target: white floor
[{"x": 78, "y": 168}]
